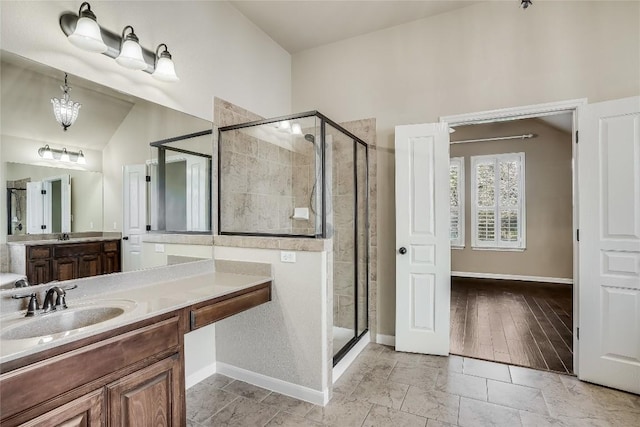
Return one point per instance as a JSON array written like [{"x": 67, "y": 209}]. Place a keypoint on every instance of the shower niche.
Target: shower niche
[{"x": 303, "y": 176}]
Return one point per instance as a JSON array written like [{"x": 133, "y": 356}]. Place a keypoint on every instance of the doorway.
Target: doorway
[{"x": 512, "y": 242}]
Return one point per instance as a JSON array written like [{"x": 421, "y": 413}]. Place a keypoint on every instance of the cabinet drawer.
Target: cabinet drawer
[
  {"x": 61, "y": 251},
  {"x": 76, "y": 368},
  {"x": 219, "y": 310},
  {"x": 110, "y": 246},
  {"x": 39, "y": 252}
]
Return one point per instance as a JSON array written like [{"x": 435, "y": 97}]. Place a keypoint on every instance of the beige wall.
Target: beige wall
[
  {"x": 548, "y": 193},
  {"x": 490, "y": 55}
]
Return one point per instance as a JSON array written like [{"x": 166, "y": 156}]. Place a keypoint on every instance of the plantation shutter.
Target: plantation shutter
[{"x": 456, "y": 200}]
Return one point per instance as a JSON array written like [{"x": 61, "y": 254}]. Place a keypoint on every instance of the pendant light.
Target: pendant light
[
  {"x": 65, "y": 110},
  {"x": 165, "y": 69},
  {"x": 87, "y": 34},
  {"x": 130, "y": 51}
]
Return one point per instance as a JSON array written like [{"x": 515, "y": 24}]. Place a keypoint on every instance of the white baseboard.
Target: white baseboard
[
  {"x": 512, "y": 277},
  {"x": 199, "y": 375},
  {"x": 348, "y": 358},
  {"x": 293, "y": 390},
  {"x": 389, "y": 340}
]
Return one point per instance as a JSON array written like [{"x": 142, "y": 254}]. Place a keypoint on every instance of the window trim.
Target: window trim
[
  {"x": 497, "y": 244},
  {"x": 459, "y": 243}
]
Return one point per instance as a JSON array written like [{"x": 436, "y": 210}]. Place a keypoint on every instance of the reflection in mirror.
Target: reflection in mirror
[
  {"x": 113, "y": 131},
  {"x": 181, "y": 183}
]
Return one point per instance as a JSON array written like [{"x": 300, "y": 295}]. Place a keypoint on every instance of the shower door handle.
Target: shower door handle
[{"x": 402, "y": 250}]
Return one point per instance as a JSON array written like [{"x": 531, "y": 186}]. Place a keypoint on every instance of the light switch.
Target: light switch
[{"x": 287, "y": 256}]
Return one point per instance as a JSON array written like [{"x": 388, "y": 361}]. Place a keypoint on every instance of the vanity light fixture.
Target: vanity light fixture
[
  {"x": 130, "y": 51},
  {"x": 65, "y": 110},
  {"x": 165, "y": 70},
  {"x": 62, "y": 155},
  {"x": 84, "y": 32},
  {"x": 87, "y": 33}
]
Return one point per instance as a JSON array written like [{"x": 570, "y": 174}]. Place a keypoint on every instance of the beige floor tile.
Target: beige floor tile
[
  {"x": 285, "y": 419},
  {"x": 517, "y": 396},
  {"x": 432, "y": 404},
  {"x": 288, "y": 404},
  {"x": 217, "y": 380},
  {"x": 247, "y": 390},
  {"x": 418, "y": 376},
  {"x": 348, "y": 382},
  {"x": 611, "y": 399},
  {"x": 203, "y": 401},
  {"x": 490, "y": 370},
  {"x": 341, "y": 411},
  {"x": 371, "y": 367},
  {"x": 435, "y": 423},
  {"x": 242, "y": 412},
  {"x": 381, "y": 392},
  {"x": 474, "y": 413},
  {"x": 530, "y": 419},
  {"x": 462, "y": 385},
  {"x": 381, "y": 416},
  {"x": 534, "y": 378}
]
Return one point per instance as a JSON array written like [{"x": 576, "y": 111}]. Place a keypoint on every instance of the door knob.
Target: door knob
[
  {"x": 125, "y": 238},
  {"x": 402, "y": 250}
]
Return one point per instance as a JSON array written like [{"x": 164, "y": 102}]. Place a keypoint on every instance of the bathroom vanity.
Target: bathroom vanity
[
  {"x": 43, "y": 261},
  {"x": 122, "y": 370}
]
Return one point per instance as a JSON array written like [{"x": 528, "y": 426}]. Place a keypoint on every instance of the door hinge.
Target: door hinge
[
  {"x": 43, "y": 227},
  {"x": 43, "y": 191},
  {"x": 578, "y": 333},
  {"x": 147, "y": 178},
  {"x": 148, "y": 228},
  {"x": 577, "y": 137},
  {"x": 578, "y": 234}
]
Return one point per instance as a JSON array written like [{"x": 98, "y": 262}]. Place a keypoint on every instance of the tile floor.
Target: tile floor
[{"x": 387, "y": 388}]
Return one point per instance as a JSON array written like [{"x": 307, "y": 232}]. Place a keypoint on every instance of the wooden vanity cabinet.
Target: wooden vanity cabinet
[{"x": 66, "y": 261}]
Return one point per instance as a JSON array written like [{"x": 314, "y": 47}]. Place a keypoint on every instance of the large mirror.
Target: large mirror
[{"x": 83, "y": 168}]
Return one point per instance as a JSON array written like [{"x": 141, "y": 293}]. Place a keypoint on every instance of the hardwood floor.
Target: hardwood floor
[{"x": 520, "y": 323}]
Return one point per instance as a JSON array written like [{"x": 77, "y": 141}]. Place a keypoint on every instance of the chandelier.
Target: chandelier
[{"x": 65, "y": 110}]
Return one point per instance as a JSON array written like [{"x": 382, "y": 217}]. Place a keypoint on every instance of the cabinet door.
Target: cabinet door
[
  {"x": 111, "y": 263},
  {"x": 39, "y": 271},
  {"x": 152, "y": 396},
  {"x": 89, "y": 265},
  {"x": 65, "y": 268},
  {"x": 86, "y": 411}
]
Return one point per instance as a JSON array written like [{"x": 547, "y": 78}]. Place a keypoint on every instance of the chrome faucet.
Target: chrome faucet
[
  {"x": 63, "y": 236},
  {"x": 49, "y": 304}
]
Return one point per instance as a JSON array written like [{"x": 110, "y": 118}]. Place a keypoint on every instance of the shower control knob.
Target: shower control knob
[{"x": 402, "y": 250}]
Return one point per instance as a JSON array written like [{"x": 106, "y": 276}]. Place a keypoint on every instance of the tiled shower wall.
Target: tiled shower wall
[{"x": 263, "y": 182}]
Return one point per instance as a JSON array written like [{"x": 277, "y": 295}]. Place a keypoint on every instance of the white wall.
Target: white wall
[
  {"x": 217, "y": 51},
  {"x": 490, "y": 55}
]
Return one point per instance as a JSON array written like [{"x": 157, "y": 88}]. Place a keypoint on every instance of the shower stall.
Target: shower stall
[{"x": 303, "y": 176}]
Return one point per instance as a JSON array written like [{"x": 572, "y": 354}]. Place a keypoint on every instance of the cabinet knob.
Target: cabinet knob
[
  {"x": 402, "y": 250},
  {"x": 125, "y": 238}
]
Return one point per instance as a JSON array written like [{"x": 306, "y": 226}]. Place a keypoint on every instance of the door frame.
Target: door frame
[{"x": 539, "y": 110}]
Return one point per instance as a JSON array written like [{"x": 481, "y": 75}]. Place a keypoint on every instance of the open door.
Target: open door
[
  {"x": 134, "y": 215},
  {"x": 423, "y": 258},
  {"x": 609, "y": 252}
]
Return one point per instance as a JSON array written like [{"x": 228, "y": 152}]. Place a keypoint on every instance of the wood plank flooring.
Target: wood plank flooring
[{"x": 520, "y": 323}]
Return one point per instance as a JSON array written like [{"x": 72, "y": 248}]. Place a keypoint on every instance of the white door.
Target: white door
[
  {"x": 197, "y": 193},
  {"x": 35, "y": 208},
  {"x": 134, "y": 215},
  {"x": 423, "y": 266},
  {"x": 609, "y": 251}
]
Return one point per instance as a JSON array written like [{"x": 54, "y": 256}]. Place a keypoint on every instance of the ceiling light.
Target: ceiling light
[
  {"x": 65, "y": 110},
  {"x": 525, "y": 3},
  {"x": 164, "y": 68},
  {"x": 81, "y": 159},
  {"x": 296, "y": 129},
  {"x": 87, "y": 33},
  {"x": 130, "y": 51}
]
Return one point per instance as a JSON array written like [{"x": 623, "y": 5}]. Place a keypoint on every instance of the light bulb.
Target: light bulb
[
  {"x": 87, "y": 35},
  {"x": 81, "y": 159},
  {"x": 64, "y": 157},
  {"x": 131, "y": 52},
  {"x": 296, "y": 129}
]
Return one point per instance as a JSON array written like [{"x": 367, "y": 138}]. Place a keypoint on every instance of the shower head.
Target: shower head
[{"x": 310, "y": 137}]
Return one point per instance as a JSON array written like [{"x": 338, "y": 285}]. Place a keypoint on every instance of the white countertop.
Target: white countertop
[
  {"x": 141, "y": 302},
  {"x": 60, "y": 242}
]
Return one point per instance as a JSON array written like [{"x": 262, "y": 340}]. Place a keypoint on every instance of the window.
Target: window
[
  {"x": 456, "y": 201},
  {"x": 497, "y": 201}
]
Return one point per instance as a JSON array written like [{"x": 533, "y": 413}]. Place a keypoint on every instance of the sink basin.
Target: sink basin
[{"x": 61, "y": 322}]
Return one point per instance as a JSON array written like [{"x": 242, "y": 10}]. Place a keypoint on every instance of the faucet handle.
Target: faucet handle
[{"x": 33, "y": 303}]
